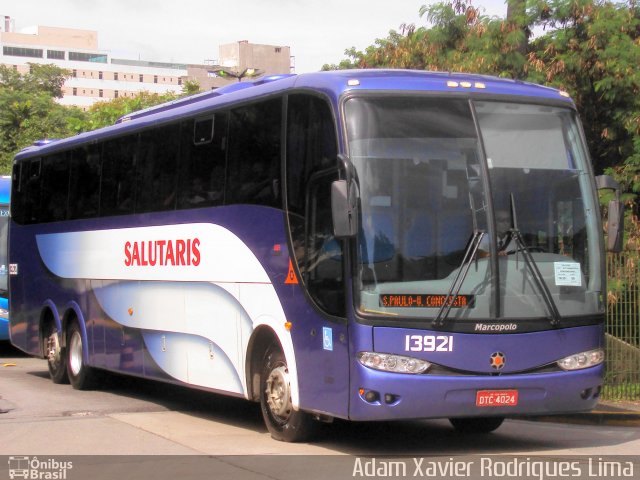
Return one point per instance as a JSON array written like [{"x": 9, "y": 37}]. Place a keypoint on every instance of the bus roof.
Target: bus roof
[{"x": 334, "y": 84}]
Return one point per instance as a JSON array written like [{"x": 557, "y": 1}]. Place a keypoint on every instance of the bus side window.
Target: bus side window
[
  {"x": 311, "y": 169},
  {"x": 254, "y": 154},
  {"x": 84, "y": 182},
  {"x": 202, "y": 164},
  {"x": 156, "y": 169},
  {"x": 118, "y": 173},
  {"x": 54, "y": 189},
  {"x": 26, "y": 191}
]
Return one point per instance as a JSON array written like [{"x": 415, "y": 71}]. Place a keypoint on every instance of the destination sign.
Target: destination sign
[{"x": 424, "y": 300}]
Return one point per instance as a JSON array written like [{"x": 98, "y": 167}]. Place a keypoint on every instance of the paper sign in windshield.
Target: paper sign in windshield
[{"x": 567, "y": 274}]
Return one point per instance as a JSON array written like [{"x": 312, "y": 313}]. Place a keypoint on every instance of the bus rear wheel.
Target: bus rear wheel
[
  {"x": 476, "y": 424},
  {"x": 283, "y": 421},
  {"x": 56, "y": 355},
  {"x": 80, "y": 375}
]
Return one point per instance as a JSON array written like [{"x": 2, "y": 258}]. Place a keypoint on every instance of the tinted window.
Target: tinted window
[
  {"x": 117, "y": 195},
  {"x": 156, "y": 169},
  {"x": 254, "y": 154},
  {"x": 54, "y": 189},
  {"x": 84, "y": 188},
  {"x": 202, "y": 164},
  {"x": 311, "y": 168}
]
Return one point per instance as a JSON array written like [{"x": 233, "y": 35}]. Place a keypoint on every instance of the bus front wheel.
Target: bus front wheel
[
  {"x": 80, "y": 375},
  {"x": 283, "y": 421},
  {"x": 476, "y": 424}
]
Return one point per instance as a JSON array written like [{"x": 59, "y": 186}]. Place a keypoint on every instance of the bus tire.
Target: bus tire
[
  {"x": 476, "y": 424},
  {"x": 283, "y": 422},
  {"x": 81, "y": 376},
  {"x": 55, "y": 354}
]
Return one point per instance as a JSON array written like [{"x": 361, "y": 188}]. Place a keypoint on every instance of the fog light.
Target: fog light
[
  {"x": 389, "y": 398},
  {"x": 371, "y": 396}
]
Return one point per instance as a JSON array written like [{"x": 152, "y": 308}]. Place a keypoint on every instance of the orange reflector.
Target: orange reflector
[
  {"x": 288, "y": 325},
  {"x": 361, "y": 391},
  {"x": 130, "y": 311}
]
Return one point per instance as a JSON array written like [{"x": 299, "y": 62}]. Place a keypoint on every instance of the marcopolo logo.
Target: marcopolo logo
[
  {"x": 496, "y": 327},
  {"x": 38, "y": 469}
]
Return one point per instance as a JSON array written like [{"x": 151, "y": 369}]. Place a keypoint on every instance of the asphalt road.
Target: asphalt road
[{"x": 136, "y": 417}]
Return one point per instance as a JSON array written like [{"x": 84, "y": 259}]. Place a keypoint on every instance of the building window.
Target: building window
[
  {"x": 100, "y": 93},
  {"x": 75, "y": 91},
  {"x": 75, "y": 73},
  {"x": 115, "y": 94},
  {"x": 88, "y": 57},
  {"x": 55, "y": 54},
  {"x": 155, "y": 79},
  {"x": 23, "y": 52},
  {"x": 115, "y": 75},
  {"x": 141, "y": 77},
  {"x": 180, "y": 81},
  {"x": 278, "y": 49}
]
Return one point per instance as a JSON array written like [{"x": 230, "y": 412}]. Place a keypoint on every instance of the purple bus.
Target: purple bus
[{"x": 363, "y": 245}]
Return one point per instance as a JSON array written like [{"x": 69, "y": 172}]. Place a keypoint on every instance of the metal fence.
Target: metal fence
[{"x": 622, "y": 379}]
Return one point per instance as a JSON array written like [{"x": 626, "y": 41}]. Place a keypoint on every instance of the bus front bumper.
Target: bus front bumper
[{"x": 380, "y": 395}]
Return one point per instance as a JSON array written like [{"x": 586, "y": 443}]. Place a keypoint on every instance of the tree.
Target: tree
[
  {"x": 590, "y": 48},
  {"x": 190, "y": 87},
  {"x": 103, "y": 114},
  {"x": 28, "y": 110}
]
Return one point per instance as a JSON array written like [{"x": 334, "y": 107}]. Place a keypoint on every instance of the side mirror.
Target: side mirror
[
  {"x": 615, "y": 221},
  {"x": 344, "y": 208}
]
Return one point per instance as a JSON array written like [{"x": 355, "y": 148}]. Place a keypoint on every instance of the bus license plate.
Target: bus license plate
[{"x": 496, "y": 398}]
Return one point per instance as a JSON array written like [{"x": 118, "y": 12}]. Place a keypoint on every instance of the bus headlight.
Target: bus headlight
[
  {"x": 392, "y": 363},
  {"x": 582, "y": 360}
]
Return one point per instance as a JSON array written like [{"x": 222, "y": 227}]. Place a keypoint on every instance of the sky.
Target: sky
[{"x": 317, "y": 31}]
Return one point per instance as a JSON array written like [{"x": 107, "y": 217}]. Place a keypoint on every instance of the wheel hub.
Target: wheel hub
[
  {"x": 53, "y": 348},
  {"x": 75, "y": 353},
  {"x": 278, "y": 392}
]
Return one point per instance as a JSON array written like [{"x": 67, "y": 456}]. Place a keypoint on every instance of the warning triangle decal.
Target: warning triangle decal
[{"x": 291, "y": 276}]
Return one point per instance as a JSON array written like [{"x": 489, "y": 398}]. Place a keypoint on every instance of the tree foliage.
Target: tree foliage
[
  {"x": 29, "y": 111},
  {"x": 106, "y": 113},
  {"x": 590, "y": 48}
]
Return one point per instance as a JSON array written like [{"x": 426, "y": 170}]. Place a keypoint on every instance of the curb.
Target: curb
[{"x": 595, "y": 417}]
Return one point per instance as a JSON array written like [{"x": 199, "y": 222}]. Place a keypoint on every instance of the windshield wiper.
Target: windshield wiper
[
  {"x": 533, "y": 267},
  {"x": 456, "y": 285}
]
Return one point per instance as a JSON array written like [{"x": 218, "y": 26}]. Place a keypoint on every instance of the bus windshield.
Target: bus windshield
[{"x": 435, "y": 173}]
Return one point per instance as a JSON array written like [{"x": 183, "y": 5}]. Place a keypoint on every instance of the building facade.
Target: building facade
[{"x": 98, "y": 77}]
